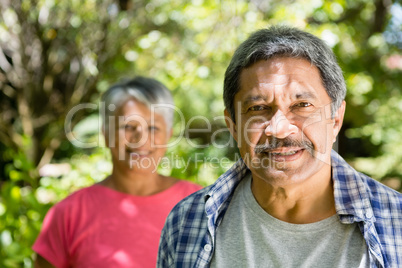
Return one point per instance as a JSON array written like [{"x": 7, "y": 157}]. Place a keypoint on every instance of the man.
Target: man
[{"x": 291, "y": 201}]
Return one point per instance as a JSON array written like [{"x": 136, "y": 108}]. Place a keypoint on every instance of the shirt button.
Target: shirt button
[
  {"x": 207, "y": 247},
  {"x": 369, "y": 214}
]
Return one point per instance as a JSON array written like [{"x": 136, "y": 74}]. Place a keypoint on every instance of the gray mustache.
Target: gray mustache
[{"x": 280, "y": 143}]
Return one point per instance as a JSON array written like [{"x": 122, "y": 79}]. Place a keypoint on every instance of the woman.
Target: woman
[{"x": 117, "y": 222}]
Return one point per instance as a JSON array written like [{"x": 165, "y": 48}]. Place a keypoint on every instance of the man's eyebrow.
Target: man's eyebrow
[
  {"x": 253, "y": 98},
  {"x": 306, "y": 95}
]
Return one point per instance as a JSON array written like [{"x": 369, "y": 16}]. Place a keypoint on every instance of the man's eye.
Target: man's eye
[
  {"x": 257, "y": 108},
  {"x": 303, "y": 104}
]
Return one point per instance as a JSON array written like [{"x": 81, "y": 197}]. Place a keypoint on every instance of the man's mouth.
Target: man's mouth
[
  {"x": 285, "y": 149},
  {"x": 284, "y": 154},
  {"x": 293, "y": 152}
]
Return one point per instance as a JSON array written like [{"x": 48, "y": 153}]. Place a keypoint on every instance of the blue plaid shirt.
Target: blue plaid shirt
[{"x": 188, "y": 237}]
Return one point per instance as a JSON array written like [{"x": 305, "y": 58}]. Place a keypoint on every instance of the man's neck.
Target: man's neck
[{"x": 307, "y": 202}]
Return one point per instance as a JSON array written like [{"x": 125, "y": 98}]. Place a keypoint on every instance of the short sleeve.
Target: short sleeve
[{"x": 52, "y": 243}]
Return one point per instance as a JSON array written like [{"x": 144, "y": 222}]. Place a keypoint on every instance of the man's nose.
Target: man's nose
[{"x": 279, "y": 126}]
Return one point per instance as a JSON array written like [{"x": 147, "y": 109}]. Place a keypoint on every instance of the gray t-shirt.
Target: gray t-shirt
[{"x": 250, "y": 237}]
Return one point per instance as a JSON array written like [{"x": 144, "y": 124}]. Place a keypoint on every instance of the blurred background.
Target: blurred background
[{"x": 57, "y": 54}]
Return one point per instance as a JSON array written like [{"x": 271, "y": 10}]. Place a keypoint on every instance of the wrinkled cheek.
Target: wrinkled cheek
[
  {"x": 319, "y": 131},
  {"x": 250, "y": 136},
  {"x": 322, "y": 146}
]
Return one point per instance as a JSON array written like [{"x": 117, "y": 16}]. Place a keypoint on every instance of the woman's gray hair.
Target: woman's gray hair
[
  {"x": 284, "y": 41},
  {"x": 145, "y": 90}
]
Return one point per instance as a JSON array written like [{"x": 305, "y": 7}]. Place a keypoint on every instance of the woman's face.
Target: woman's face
[{"x": 139, "y": 139}]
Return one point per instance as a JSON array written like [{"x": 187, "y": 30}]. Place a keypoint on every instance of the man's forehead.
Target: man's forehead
[
  {"x": 260, "y": 81},
  {"x": 284, "y": 65},
  {"x": 279, "y": 70},
  {"x": 262, "y": 91},
  {"x": 273, "y": 79}
]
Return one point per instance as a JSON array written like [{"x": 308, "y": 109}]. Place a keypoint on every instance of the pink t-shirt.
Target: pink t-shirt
[{"x": 100, "y": 227}]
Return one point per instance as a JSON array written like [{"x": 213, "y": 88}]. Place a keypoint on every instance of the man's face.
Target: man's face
[
  {"x": 284, "y": 127},
  {"x": 139, "y": 138}
]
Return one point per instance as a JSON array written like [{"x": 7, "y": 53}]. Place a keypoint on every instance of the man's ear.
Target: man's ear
[
  {"x": 338, "y": 120},
  {"x": 230, "y": 124}
]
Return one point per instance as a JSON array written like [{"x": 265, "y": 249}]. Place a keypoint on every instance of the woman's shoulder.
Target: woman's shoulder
[
  {"x": 188, "y": 186},
  {"x": 80, "y": 196}
]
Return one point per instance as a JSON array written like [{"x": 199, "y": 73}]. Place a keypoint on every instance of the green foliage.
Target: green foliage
[
  {"x": 57, "y": 54},
  {"x": 20, "y": 216},
  {"x": 23, "y": 205}
]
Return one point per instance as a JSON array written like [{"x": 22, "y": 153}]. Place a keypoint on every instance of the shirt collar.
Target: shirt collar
[
  {"x": 224, "y": 187},
  {"x": 352, "y": 200}
]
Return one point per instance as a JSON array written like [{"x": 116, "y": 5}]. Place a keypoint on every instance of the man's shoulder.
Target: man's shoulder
[
  {"x": 353, "y": 187},
  {"x": 218, "y": 192},
  {"x": 184, "y": 230},
  {"x": 380, "y": 193},
  {"x": 194, "y": 202},
  {"x": 189, "y": 214},
  {"x": 376, "y": 190},
  {"x": 385, "y": 212}
]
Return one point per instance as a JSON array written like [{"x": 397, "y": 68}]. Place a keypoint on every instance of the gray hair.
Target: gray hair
[
  {"x": 284, "y": 41},
  {"x": 145, "y": 90}
]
